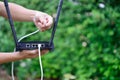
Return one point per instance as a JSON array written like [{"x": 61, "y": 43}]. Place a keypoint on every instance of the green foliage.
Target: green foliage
[{"x": 86, "y": 42}]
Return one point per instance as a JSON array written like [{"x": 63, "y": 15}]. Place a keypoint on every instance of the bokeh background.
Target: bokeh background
[{"x": 87, "y": 41}]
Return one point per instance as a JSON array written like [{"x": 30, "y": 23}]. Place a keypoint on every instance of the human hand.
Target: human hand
[
  {"x": 30, "y": 53},
  {"x": 43, "y": 21}
]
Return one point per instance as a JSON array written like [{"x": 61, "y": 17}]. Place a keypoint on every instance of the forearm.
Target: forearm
[
  {"x": 18, "y": 12},
  {"x": 9, "y": 57}
]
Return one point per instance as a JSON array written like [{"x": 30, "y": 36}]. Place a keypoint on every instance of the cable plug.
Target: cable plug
[{"x": 39, "y": 46}]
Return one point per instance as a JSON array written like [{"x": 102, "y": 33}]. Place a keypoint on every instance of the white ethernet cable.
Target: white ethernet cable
[
  {"x": 28, "y": 35},
  {"x": 40, "y": 61},
  {"x": 12, "y": 68}
]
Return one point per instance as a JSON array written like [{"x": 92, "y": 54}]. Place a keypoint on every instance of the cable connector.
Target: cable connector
[
  {"x": 40, "y": 61},
  {"x": 39, "y": 46}
]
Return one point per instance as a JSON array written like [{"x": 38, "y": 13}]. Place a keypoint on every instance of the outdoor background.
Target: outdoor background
[{"x": 87, "y": 41}]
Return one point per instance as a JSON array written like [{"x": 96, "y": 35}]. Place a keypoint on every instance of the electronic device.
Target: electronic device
[{"x": 33, "y": 44}]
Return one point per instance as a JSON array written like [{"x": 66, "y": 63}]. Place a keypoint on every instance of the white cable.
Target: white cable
[
  {"x": 12, "y": 68},
  {"x": 28, "y": 35},
  {"x": 12, "y": 71},
  {"x": 40, "y": 60},
  {"x": 12, "y": 65}
]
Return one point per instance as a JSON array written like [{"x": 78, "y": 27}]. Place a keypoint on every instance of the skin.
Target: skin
[{"x": 42, "y": 20}]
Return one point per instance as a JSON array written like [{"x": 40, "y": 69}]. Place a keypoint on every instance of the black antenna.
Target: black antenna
[
  {"x": 56, "y": 21},
  {"x": 10, "y": 21}
]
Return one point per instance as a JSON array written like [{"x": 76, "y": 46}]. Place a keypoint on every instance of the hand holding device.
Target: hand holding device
[{"x": 30, "y": 53}]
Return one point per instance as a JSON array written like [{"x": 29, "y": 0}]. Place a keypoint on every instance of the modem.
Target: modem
[{"x": 49, "y": 45}]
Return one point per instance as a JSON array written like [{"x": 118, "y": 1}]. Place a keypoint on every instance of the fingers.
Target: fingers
[
  {"x": 49, "y": 21},
  {"x": 32, "y": 53},
  {"x": 43, "y": 21},
  {"x": 44, "y": 51}
]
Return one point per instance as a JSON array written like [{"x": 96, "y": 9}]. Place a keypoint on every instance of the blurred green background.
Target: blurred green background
[{"x": 86, "y": 42}]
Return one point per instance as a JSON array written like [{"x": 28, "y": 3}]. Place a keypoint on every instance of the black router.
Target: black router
[{"x": 49, "y": 45}]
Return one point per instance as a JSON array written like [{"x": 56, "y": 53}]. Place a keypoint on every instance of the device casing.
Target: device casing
[{"x": 34, "y": 45}]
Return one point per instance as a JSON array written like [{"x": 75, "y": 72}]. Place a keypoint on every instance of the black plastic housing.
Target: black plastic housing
[{"x": 34, "y": 45}]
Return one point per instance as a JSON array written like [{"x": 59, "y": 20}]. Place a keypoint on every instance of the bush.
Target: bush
[{"x": 86, "y": 41}]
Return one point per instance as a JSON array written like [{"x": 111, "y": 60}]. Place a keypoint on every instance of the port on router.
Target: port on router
[
  {"x": 28, "y": 45},
  {"x": 34, "y": 45},
  {"x": 43, "y": 45}
]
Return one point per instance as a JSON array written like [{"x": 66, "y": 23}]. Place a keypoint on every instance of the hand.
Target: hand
[
  {"x": 43, "y": 21},
  {"x": 30, "y": 53}
]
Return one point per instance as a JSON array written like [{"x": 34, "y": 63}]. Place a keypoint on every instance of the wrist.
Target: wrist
[
  {"x": 32, "y": 14},
  {"x": 1, "y": 8},
  {"x": 19, "y": 56},
  {"x": 38, "y": 14}
]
